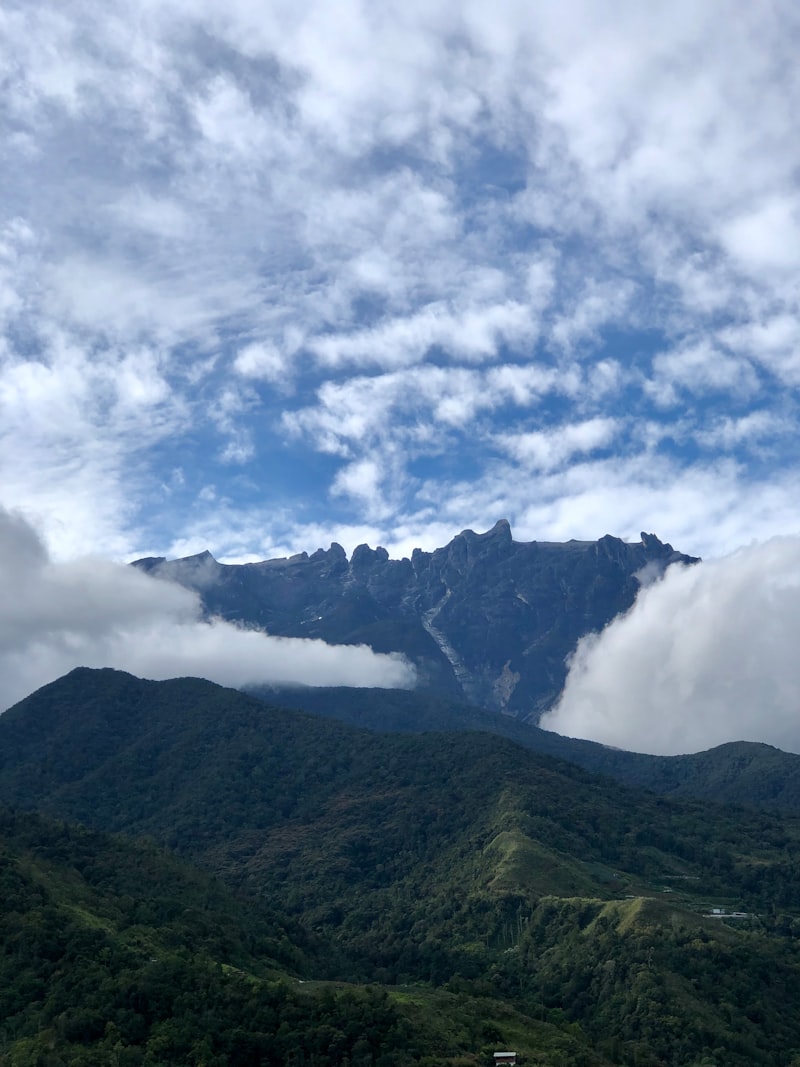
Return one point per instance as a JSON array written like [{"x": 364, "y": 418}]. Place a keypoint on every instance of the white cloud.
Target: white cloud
[
  {"x": 549, "y": 449},
  {"x": 767, "y": 237},
  {"x": 261, "y": 360},
  {"x": 90, "y": 612},
  {"x": 290, "y": 197},
  {"x": 705, "y": 656},
  {"x": 594, "y": 306},
  {"x": 72, "y": 426},
  {"x": 773, "y": 341},
  {"x": 754, "y": 430},
  {"x": 418, "y": 411},
  {"x": 363, "y": 480},
  {"x": 699, "y": 368},
  {"x": 474, "y": 334}
]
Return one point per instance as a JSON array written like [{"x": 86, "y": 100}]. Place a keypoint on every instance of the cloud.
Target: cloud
[
  {"x": 259, "y": 360},
  {"x": 362, "y": 480},
  {"x": 705, "y": 656},
  {"x": 697, "y": 369},
  {"x": 195, "y": 194},
  {"x": 774, "y": 342},
  {"x": 750, "y": 431},
  {"x": 475, "y": 335},
  {"x": 550, "y": 449},
  {"x": 768, "y": 237},
  {"x": 91, "y": 612},
  {"x": 407, "y": 408}
]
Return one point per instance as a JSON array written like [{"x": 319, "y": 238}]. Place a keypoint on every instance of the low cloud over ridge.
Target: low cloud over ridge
[
  {"x": 705, "y": 656},
  {"x": 94, "y": 613}
]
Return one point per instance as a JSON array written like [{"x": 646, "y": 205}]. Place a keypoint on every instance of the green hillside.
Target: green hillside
[
  {"x": 114, "y": 953},
  {"x": 452, "y": 869},
  {"x": 743, "y": 773}
]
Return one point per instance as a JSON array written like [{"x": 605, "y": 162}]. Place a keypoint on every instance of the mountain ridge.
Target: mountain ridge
[
  {"x": 485, "y": 617},
  {"x": 742, "y": 773}
]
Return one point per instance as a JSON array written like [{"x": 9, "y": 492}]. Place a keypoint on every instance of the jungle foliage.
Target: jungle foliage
[{"x": 469, "y": 893}]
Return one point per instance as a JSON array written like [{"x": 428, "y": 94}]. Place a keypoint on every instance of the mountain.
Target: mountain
[
  {"x": 485, "y": 618},
  {"x": 246, "y": 788},
  {"x": 489, "y": 623},
  {"x": 742, "y": 773},
  {"x": 444, "y": 865}
]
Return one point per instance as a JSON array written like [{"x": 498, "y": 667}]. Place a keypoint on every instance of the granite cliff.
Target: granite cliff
[{"x": 487, "y": 618}]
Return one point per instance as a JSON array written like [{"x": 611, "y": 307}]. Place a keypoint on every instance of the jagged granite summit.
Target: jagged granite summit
[{"x": 485, "y": 617}]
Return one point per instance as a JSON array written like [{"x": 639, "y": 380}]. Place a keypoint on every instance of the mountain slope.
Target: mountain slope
[
  {"x": 103, "y": 942},
  {"x": 112, "y": 952},
  {"x": 487, "y": 618},
  {"x": 336, "y": 825},
  {"x": 460, "y": 860},
  {"x": 743, "y": 773}
]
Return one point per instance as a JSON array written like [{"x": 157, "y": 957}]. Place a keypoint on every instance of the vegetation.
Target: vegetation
[
  {"x": 114, "y": 953},
  {"x": 740, "y": 773},
  {"x": 461, "y": 893}
]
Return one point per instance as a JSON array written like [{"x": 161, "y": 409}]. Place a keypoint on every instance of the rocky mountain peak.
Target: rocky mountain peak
[
  {"x": 364, "y": 556},
  {"x": 484, "y": 617}
]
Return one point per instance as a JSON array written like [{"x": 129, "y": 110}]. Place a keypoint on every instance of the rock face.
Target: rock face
[{"x": 486, "y": 617}]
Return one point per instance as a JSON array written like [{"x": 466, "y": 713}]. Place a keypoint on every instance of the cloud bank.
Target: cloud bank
[
  {"x": 705, "y": 656},
  {"x": 94, "y": 613}
]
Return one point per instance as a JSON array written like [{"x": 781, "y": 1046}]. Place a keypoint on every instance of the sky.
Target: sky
[
  {"x": 274, "y": 275},
  {"x": 278, "y": 274}
]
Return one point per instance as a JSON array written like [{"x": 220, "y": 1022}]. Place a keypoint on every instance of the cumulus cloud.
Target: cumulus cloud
[
  {"x": 475, "y": 335},
  {"x": 697, "y": 369},
  {"x": 91, "y": 612},
  {"x": 260, "y": 360},
  {"x": 706, "y": 655}
]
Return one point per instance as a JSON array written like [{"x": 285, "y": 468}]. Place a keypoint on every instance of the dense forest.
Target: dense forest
[
  {"x": 370, "y": 898},
  {"x": 113, "y": 952},
  {"x": 739, "y": 772}
]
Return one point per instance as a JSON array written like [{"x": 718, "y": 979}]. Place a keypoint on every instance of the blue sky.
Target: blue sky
[{"x": 278, "y": 274}]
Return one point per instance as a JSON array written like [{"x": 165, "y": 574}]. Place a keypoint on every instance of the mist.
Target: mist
[
  {"x": 708, "y": 654},
  {"x": 94, "y": 613}
]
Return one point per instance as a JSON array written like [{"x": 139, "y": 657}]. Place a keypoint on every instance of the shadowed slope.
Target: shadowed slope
[{"x": 744, "y": 773}]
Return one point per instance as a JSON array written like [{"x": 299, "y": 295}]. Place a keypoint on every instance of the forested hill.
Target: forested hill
[
  {"x": 250, "y": 789},
  {"x": 486, "y": 618},
  {"x": 112, "y": 952},
  {"x": 743, "y": 773},
  {"x": 456, "y": 864}
]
